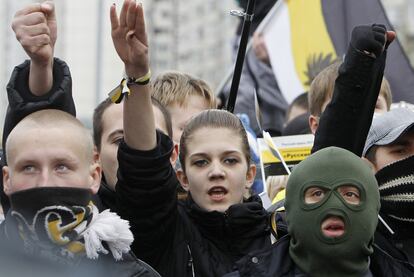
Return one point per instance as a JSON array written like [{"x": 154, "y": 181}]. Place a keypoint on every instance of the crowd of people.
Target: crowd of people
[{"x": 162, "y": 184}]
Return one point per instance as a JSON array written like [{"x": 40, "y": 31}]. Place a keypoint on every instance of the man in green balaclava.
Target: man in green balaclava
[{"x": 332, "y": 204}]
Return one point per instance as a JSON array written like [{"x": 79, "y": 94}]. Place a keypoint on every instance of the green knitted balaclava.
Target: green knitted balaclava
[{"x": 314, "y": 253}]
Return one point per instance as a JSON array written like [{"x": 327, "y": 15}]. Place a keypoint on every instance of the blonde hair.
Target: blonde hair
[
  {"x": 322, "y": 88},
  {"x": 275, "y": 184},
  {"x": 176, "y": 87}
]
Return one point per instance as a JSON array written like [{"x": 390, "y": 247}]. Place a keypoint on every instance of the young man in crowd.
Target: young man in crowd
[
  {"x": 108, "y": 132},
  {"x": 53, "y": 227},
  {"x": 389, "y": 150},
  {"x": 332, "y": 204}
]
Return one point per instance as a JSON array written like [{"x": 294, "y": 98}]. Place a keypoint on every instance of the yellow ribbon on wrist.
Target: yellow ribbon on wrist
[{"x": 117, "y": 94}]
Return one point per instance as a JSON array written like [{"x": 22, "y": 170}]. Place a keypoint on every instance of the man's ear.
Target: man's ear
[
  {"x": 313, "y": 123},
  {"x": 183, "y": 179},
  {"x": 6, "y": 180},
  {"x": 250, "y": 175},
  {"x": 95, "y": 176},
  {"x": 370, "y": 164},
  {"x": 174, "y": 155}
]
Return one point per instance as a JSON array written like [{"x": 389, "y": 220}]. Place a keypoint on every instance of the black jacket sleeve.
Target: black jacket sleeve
[
  {"x": 347, "y": 118},
  {"x": 22, "y": 102},
  {"x": 146, "y": 196}
]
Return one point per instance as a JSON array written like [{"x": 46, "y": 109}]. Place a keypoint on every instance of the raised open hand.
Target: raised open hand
[
  {"x": 130, "y": 38},
  {"x": 36, "y": 30}
]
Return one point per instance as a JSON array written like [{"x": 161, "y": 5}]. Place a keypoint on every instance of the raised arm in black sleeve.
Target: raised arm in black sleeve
[
  {"x": 347, "y": 118},
  {"x": 22, "y": 102}
]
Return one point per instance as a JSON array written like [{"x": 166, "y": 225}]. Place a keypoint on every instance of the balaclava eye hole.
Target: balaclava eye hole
[
  {"x": 350, "y": 192},
  {"x": 314, "y": 195}
]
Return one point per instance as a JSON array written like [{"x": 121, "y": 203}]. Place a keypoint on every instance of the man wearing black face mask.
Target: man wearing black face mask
[{"x": 390, "y": 151}]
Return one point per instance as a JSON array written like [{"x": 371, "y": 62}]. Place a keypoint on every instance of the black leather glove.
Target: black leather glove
[{"x": 369, "y": 38}]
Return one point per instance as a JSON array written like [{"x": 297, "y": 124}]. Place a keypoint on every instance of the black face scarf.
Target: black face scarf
[
  {"x": 50, "y": 220},
  {"x": 396, "y": 186},
  {"x": 61, "y": 223}
]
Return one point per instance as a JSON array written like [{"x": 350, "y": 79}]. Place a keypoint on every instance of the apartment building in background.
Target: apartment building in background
[{"x": 191, "y": 36}]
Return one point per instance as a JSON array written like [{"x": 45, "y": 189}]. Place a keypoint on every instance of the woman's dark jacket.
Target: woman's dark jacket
[{"x": 178, "y": 238}]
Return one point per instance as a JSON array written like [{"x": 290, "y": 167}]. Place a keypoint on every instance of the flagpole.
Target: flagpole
[{"x": 248, "y": 17}]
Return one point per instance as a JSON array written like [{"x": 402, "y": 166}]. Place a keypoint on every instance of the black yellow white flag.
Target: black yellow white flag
[{"x": 304, "y": 36}]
